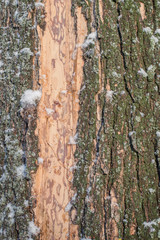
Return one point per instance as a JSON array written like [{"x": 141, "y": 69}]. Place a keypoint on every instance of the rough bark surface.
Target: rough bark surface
[
  {"x": 18, "y": 144},
  {"x": 98, "y": 121},
  {"x": 117, "y": 173}
]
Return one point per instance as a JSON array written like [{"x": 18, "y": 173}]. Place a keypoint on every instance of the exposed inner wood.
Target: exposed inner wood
[
  {"x": 61, "y": 71},
  {"x": 142, "y": 11}
]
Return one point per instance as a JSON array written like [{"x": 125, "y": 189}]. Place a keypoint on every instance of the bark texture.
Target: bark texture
[
  {"x": 98, "y": 121},
  {"x": 117, "y": 173},
  {"x": 18, "y": 144}
]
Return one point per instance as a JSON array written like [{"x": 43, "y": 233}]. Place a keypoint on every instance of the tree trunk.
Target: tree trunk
[{"x": 83, "y": 163}]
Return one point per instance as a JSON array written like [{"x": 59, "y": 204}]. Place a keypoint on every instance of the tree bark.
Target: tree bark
[{"x": 96, "y": 128}]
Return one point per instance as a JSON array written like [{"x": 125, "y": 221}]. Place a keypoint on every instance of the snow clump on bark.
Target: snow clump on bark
[
  {"x": 142, "y": 72},
  {"x": 91, "y": 38},
  {"x": 30, "y": 97},
  {"x": 33, "y": 229}
]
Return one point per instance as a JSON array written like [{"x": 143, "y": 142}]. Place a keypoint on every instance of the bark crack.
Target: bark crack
[{"x": 122, "y": 54}]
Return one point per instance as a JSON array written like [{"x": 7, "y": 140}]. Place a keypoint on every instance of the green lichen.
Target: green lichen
[
  {"x": 123, "y": 141},
  {"x": 18, "y": 144}
]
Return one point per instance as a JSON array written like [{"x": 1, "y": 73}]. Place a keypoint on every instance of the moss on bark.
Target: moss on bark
[
  {"x": 120, "y": 151},
  {"x": 18, "y": 145}
]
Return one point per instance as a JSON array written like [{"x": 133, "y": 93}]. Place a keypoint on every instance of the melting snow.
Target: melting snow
[{"x": 30, "y": 97}]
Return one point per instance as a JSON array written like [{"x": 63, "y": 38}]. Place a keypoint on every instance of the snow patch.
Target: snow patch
[
  {"x": 131, "y": 133},
  {"x": 142, "y": 72},
  {"x": 151, "y": 224},
  {"x": 30, "y": 97},
  {"x": 154, "y": 40},
  {"x": 151, "y": 190},
  {"x": 142, "y": 114},
  {"x": 73, "y": 140},
  {"x": 19, "y": 152},
  {"x": 158, "y": 134},
  {"x": 122, "y": 93},
  {"x": 88, "y": 190},
  {"x": 70, "y": 204},
  {"x": 153, "y": 161},
  {"x": 38, "y": 53},
  {"x": 151, "y": 71},
  {"x": 20, "y": 171},
  {"x": 82, "y": 88},
  {"x": 157, "y": 31},
  {"x": 33, "y": 229},
  {"x": 109, "y": 95},
  {"x": 120, "y": 17},
  {"x": 151, "y": 68},
  {"x": 3, "y": 177},
  {"x": 137, "y": 118},
  {"x": 1, "y": 63},
  {"x": 39, "y": 5},
  {"x": 91, "y": 38},
  {"x": 40, "y": 160},
  {"x": 11, "y": 213},
  {"x": 26, "y": 203},
  {"x": 115, "y": 74},
  {"x": 49, "y": 111},
  {"x": 26, "y": 51},
  {"x": 68, "y": 207},
  {"x": 64, "y": 91},
  {"x": 147, "y": 30},
  {"x": 85, "y": 239}
]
